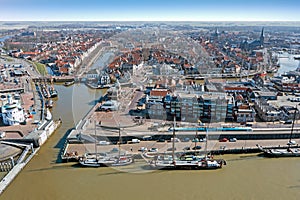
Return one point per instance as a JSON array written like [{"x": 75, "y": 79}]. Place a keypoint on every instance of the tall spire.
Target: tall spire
[{"x": 262, "y": 37}]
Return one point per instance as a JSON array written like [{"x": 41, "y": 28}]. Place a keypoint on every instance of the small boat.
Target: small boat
[
  {"x": 48, "y": 115},
  {"x": 45, "y": 92},
  {"x": 98, "y": 86},
  {"x": 103, "y": 86},
  {"x": 49, "y": 103},
  {"x": 53, "y": 92},
  {"x": 68, "y": 83},
  {"x": 297, "y": 57}
]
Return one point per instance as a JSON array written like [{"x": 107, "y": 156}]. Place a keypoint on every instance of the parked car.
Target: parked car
[
  {"x": 109, "y": 105},
  {"x": 186, "y": 148},
  {"x": 195, "y": 140},
  {"x": 171, "y": 149},
  {"x": 153, "y": 149},
  {"x": 196, "y": 147},
  {"x": 142, "y": 113},
  {"x": 292, "y": 142},
  {"x": 104, "y": 143},
  {"x": 142, "y": 149},
  {"x": 223, "y": 140},
  {"x": 175, "y": 140},
  {"x": 202, "y": 140},
  {"x": 147, "y": 137},
  {"x": 288, "y": 122},
  {"x": 161, "y": 140},
  {"x": 3, "y": 97},
  {"x": 135, "y": 140},
  {"x": 2, "y": 134},
  {"x": 186, "y": 139},
  {"x": 114, "y": 150},
  {"x": 232, "y": 140}
]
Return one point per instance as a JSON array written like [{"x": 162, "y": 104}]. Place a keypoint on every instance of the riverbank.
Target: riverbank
[
  {"x": 20, "y": 161},
  {"x": 21, "y": 142}
]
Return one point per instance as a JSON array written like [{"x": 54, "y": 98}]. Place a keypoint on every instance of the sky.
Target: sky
[{"x": 149, "y": 10}]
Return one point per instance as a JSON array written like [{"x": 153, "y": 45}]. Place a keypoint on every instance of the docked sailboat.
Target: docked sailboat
[
  {"x": 106, "y": 159},
  {"x": 280, "y": 152},
  {"x": 185, "y": 160},
  {"x": 288, "y": 151}
]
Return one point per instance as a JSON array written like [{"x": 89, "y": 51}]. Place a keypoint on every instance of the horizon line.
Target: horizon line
[{"x": 149, "y": 20}]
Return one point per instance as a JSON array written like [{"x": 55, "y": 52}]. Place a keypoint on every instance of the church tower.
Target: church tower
[{"x": 262, "y": 37}]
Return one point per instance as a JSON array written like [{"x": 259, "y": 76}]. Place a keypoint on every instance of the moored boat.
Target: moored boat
[
  {"x": 186, "y": 160},
  {"x": 106, "y": 159},
  {"x": 49, "y": 103},
  {"x": 289, "y": 151},
  {"x": 280, "y": 152},
  {"x": 69, "y": 83},
  {"x": 98, "y": 86},
  {"x": 53, "y": 92},
  {"x": 297, "y": 57}
]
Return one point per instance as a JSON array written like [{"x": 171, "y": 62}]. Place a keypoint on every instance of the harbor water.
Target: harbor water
[
  {"x": 287, "y": 63},
  {"x": 45, "y": 177}
]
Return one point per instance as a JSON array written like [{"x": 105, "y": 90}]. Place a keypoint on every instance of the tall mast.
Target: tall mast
[
  {"x": 206, "y": 136},
  {"x": 173, "y": 143},
  {"x": 293, "y": 126},
  {"x": 119, "y": 140},
  {"x": 95, "y": 139}
]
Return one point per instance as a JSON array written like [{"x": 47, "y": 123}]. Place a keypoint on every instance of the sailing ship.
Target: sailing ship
[
  {"x": 106, "y": 159},
  {"x": 289, "y": 151},
  {"x": 186, "y": 160}
]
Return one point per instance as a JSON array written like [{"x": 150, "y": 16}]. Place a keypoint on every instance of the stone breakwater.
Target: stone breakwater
[{"x": 38, "y": 137}]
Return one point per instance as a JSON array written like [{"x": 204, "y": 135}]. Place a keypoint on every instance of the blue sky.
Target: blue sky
[{"x": 145, "y": 10}]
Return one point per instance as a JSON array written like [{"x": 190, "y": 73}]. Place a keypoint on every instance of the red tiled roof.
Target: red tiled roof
[{"x": 158, "y": 92}]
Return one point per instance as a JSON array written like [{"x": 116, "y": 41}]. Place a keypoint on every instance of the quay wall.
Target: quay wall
[
  {"x": 168, "y": 136},
  {"x": 36, "y": 142}
]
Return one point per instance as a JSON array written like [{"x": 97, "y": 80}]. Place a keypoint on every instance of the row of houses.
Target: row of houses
[
  {"x": 63, "y": 53},
  {"x": 229, "y": 54}
]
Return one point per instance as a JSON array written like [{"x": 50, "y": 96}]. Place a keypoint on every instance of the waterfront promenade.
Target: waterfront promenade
[{"x": 106, "y": 125}]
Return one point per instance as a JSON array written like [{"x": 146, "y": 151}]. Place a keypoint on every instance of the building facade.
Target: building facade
[{"x": 12, "y": 113}]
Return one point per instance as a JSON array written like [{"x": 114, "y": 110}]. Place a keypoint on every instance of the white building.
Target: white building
[{"x": 12, "y": 112}]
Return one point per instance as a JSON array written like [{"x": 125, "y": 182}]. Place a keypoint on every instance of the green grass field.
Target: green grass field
[{"x": 41, "y": 68}]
